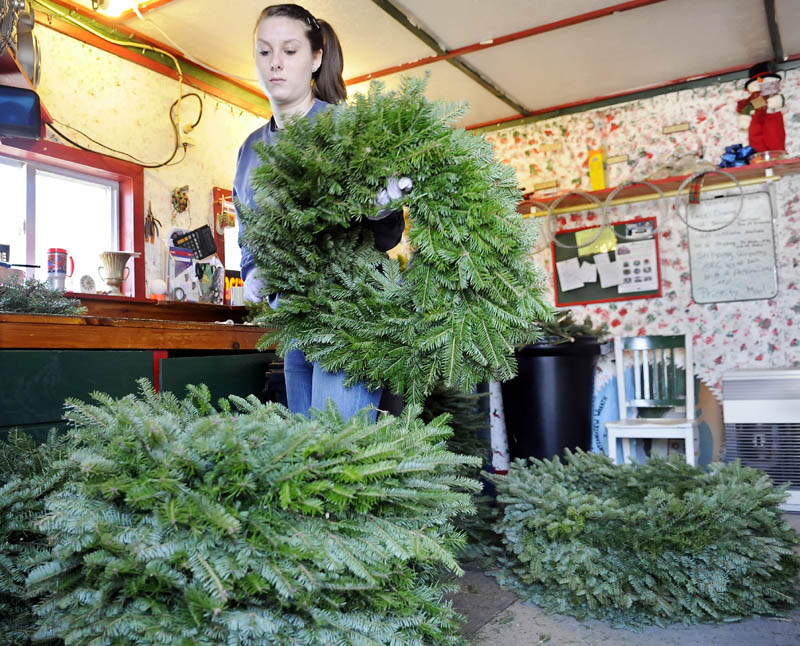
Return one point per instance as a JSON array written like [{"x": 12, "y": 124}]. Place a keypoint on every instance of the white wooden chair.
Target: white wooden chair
[{"x": 657, "y": 383}]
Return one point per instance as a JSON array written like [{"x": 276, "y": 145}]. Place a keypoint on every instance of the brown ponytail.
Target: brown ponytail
[{"x": 328, "y": 82}]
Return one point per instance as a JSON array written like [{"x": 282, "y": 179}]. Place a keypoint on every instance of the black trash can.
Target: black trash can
[{"x": 548, "y": 405}]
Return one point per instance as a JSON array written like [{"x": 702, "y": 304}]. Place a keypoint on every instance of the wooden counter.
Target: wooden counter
[
  {"x": 53, "y": 358},
  {"x": 105, "y": 305},
  {"x": 27, "y": 331}
]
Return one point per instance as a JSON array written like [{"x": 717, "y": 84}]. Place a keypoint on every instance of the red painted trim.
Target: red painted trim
[
  {"x": 73, "y": 31},
  {"x": 158, "y": 355},
  {"x": 605, "y": 97},
  {"x": 627, "y": 297},
  {"x": 130, "y": 177},
  {"x": 508, "y": 38},
  {"x": 218, "y": 196},
  {"x": 617, "y": 95}
]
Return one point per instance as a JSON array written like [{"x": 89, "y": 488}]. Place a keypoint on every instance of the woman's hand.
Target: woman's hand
[{"x": 395, "y": 189}]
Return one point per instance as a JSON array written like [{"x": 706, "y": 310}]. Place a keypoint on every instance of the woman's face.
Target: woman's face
[{"x": 285, "y": 63}]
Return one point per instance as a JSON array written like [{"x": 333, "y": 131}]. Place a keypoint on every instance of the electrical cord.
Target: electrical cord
[
  {"x": 621, "y": 187},
  {"x": 121, "y": 43},
  {"x": 544, "y": 231},
  {"x": 699, "y": 176},
  {"x": 188, "y": 56},
  {"x": 135, "y": 159},
  {"x": 555, "y": 205}
]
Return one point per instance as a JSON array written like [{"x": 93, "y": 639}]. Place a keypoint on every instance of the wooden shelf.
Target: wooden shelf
[
  {"x": 148, "y": 308},
  {"x": 26, "y": 331},
  {"x": 747, "y": 175}
]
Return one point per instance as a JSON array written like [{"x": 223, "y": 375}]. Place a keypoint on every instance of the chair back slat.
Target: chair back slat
[
  {"x": 655, "y": 393},
  {"x": 657, "y": 380},
  {"x": 671, "y": 374}
]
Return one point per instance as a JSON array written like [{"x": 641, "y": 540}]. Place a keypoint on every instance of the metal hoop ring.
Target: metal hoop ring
[
  {"x": 554, "y": 206},
  {"x": 619, "y": 188},
  {"x": 544, "y": 233},
  {"x": 697, "y": 175}
]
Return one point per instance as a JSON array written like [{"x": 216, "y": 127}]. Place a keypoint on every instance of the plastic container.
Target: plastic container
[
  {"x": 548, "y": 405},
  {"x": 57, "y": 267}
]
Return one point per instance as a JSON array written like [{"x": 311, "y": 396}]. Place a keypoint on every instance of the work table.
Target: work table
[
  {"x": 42, "y": 331},
  {"x": 121, "y": 323},
  {"x": 115, "y": 344}
]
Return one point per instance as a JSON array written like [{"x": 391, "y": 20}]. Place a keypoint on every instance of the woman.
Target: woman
[{"x": 299, "y": 64}]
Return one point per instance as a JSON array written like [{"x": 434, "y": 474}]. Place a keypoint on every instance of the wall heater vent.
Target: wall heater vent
[{"x": 762, "y": 424}]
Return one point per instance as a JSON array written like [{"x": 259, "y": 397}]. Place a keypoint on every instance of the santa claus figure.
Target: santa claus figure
[{"x": 760, "y": 113}]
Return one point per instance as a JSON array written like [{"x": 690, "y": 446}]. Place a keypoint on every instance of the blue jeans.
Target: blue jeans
[{"x": 309, "y": 386}]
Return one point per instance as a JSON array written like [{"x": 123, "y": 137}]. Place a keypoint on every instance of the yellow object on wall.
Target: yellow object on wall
[{"x": 597, "y": 169}]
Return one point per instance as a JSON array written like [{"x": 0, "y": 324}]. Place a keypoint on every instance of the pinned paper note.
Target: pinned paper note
[
  {"x": 608, "y": 270},
  {"x": 638, "y": 266},
  {"x": 588, "y": 272},
  {"x": 569, "y": 274},
  {"x": 606, "y": 241}
]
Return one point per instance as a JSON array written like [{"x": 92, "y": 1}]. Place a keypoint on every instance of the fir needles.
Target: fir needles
[
  {"x": 250, "y": 526},
  {"x": 35, "y": 297},
  {"x": 658, "y": 543},
  {"x": 470, "y": 292}
]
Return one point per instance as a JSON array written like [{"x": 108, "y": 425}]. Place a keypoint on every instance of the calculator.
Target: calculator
[{"x": 200, "y": 241}]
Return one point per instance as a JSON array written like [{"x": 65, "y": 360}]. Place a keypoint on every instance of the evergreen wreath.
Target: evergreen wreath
[
  {"x": 662, "y": 542},
  {"x": 32, "y": 296},
  {"x": 471, "y": 291},
  {"x": 250, "y": 526},
  {"x": 28, "y": 473}
]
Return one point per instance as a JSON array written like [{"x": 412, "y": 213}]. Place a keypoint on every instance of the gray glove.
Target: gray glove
[
  {"x": 387, "y": 224},
  {"x": 395, "y": 189}
]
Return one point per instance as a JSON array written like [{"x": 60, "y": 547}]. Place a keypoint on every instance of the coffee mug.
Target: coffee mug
[{"x": 57, "y": 267}]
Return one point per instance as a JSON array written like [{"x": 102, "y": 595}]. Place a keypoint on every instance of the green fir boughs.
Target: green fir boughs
[
  {"x": 470, "y": 292},
  {"x": 657, "y": 543},
  {"x": 32, "y": 296},
  {"x": 249, "y": 525},
  {"x": 28, "y": 473}
]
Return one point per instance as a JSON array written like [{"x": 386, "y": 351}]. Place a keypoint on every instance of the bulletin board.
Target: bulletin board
[
  {"x": 736, "y": 262},
  {"x": 612, "y": 268}
]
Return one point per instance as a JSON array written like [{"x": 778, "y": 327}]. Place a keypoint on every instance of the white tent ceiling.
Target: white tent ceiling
[{"x": 648, "y": 43}]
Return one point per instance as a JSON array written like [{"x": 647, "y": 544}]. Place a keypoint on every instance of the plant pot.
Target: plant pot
[{"x": 548, "y": 405}]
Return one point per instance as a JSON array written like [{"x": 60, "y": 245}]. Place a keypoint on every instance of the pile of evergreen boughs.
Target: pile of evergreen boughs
[
  {"x": 638, "y": 544},
  {"x": 28, "y": 473},
  {"x": 471, "y": 290},
  {"x": 563, "y": 328},
  {"x": 468, "y": 416},
  {"x": 250, "y": 525},
  {"x": 35, "y": 297}
]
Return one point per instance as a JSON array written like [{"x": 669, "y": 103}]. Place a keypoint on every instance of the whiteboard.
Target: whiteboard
[{"x": 736, "y": 263}]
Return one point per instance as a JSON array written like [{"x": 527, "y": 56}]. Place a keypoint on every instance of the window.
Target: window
[
  {"x": 58, "y": 196},
  {"x": 56, "y": 208}
]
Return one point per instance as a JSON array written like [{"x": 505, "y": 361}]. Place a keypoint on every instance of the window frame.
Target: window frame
[{"x": 128, "y": 175}]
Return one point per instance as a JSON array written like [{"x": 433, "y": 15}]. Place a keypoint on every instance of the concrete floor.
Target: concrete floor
[{"x": 495, "y": 616}]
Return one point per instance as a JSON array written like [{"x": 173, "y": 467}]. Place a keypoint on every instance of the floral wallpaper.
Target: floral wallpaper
[{"x": 727, "y": 336}]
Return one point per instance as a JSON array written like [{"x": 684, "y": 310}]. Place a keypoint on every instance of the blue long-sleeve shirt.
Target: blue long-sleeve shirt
[
  {"x": 246, "y": 163},
  {"x": 387, "y": 230}
]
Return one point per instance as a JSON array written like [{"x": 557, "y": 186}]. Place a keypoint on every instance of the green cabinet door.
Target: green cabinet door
[
  {"x": 224, "y": 374},
  {"x": 38, "y": 381}
]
